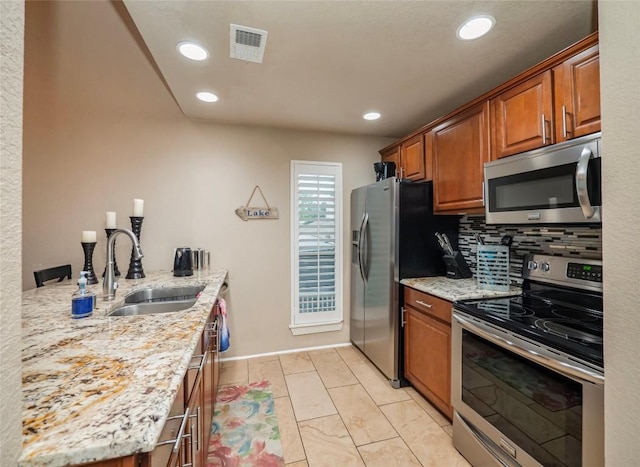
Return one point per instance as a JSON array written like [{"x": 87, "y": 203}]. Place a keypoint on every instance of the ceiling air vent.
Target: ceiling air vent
[{"x": 247, "y": 43}]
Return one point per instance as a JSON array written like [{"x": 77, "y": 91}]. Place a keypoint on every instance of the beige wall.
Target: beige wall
[
  {"x": 86, "y": 153},
  {"x": 11, "y": 38},
  {"x": 620, "y": 81}
]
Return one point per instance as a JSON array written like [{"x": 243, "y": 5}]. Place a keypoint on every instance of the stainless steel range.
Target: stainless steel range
[{"x": 528, "y": 371}]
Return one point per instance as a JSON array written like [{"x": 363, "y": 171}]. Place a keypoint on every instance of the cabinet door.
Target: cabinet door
[
  {"x": 460, "y": 149},
  {"x": 412, "y": 158},
  {"x": 577, "y": 88},
  {"x": 522, "y": 117},
  {"x": 428, "y": 358},
  {"x": 392, "y": 155}
]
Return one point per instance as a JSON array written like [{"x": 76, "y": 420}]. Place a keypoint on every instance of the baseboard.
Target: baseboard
[{"x": 281, "y": 352}]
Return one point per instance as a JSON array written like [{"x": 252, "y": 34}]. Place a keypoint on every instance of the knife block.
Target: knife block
[{"x": 457, "y": 267}]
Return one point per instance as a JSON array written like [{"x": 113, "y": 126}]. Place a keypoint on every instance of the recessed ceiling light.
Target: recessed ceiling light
[
  {"x": 371, "y": 116},
  {"x": 475, "y": 27},
  {"x": 193, "y": 51},
  {"x": 206, "y": 96}
]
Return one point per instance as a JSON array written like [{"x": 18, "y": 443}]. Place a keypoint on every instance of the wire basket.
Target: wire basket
[{"x": 493, "y": 267}]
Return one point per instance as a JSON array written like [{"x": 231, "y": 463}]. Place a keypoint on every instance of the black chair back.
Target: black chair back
[{"x": 59, "y": 272}]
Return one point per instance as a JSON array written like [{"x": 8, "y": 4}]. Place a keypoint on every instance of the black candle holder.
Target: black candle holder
[
  {"x": 135, "y": 265},
  {"x": 88, "y": 248},
  {"x": 115, "y": 265}
]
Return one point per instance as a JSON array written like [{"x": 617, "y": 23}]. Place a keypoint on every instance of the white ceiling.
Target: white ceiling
[{"x": 328, "y": 62}]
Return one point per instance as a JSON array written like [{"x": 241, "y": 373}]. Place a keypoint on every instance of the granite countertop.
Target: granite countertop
[
  {"x": 455, "y": 289},
  {"x": 101, "y": 387}
]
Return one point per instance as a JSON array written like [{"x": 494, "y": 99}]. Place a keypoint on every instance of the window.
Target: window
[{"x": 316, "y": 246}]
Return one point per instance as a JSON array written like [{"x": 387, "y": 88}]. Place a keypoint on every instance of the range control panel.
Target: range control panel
[
  {"x": 570, "y": 272},
  {"x": 586, "y": 272}
]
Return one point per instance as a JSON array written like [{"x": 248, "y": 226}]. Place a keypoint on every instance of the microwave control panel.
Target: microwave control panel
[{"x": 586, "y": 272}]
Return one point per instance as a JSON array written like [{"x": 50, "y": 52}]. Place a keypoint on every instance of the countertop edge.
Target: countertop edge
[{"x": 454, "y": 290}]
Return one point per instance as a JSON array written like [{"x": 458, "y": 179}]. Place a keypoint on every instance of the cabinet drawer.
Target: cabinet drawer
[{"x": 428, "y": 304}]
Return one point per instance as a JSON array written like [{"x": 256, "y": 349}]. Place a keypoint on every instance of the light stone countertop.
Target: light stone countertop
[
  {"x": 101, "y": 387},
  {"x": 455, "y": 289}
]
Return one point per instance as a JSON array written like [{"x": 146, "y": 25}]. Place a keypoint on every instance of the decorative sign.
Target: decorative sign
[{"x": 247, "y": 212}]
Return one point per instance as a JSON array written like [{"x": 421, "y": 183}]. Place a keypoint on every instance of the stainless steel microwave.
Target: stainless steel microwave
[{"x": 551, "y": 185}]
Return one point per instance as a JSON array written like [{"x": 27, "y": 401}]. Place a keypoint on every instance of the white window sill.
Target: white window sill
[{"x": 300, "y": 329}]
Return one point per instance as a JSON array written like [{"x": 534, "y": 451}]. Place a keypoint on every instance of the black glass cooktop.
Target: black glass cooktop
[{"x": 568, "y": 321}]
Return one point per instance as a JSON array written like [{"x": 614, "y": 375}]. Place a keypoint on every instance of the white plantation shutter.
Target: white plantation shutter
[{"x": 316, "y": 242}]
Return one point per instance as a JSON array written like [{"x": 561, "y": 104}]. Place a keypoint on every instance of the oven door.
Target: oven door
[
  {"x": 515, "y": 406},
  {"x": 555, "y": 184}
]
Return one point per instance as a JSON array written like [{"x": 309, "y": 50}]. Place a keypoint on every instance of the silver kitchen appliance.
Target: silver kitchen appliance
[
  {"x": 528, "y": 371},
  {"x": 392, "y": 238},
  {"x": 553, "y": 184}
]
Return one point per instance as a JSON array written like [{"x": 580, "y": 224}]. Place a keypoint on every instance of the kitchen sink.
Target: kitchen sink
[
  {"x": 164, "y": 294},
  {"x": 158, "y": 300},
  {"x": 148, "y": 308}
]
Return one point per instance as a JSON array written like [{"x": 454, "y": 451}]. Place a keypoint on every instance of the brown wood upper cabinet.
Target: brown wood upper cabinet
[
  {"x": 557, "y": 105},
  {"x": 460, "y": 147},
  {"x": 412, "y": 158},
  {"x": 577, "y": 95},
  {"x": 392, "y": 155},
  {"x": 522, "y": 117}
]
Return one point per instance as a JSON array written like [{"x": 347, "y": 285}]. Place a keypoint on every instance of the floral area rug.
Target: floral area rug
[{"x": 245, "y": 428}]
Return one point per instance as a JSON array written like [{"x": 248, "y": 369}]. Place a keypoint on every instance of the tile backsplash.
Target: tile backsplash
[{"x": 579, "y": 241}]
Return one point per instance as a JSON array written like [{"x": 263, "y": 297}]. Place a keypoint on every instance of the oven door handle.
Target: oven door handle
[{"x": 561, "y": 367}]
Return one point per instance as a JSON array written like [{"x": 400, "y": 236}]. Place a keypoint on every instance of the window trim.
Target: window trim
[{"x": 331, "y": 321}]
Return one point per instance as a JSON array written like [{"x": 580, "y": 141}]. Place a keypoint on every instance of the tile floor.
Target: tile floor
[{"x": 335, "y": 408}]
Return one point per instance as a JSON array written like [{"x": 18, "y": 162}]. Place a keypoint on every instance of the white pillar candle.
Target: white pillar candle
[
  {"x": 88, "y": 236},
  {"x": 111, "y": 220},
  {"x": 138, "y": 205}
]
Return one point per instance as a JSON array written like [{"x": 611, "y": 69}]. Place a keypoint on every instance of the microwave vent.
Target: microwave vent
[{"x": 247, "y": 43}]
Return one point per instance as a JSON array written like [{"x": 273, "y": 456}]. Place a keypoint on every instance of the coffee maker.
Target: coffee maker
[{"x": 384, "y": 170}]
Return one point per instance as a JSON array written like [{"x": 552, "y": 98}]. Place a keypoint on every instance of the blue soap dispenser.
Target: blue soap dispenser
[{"x": 82, "y": 301}]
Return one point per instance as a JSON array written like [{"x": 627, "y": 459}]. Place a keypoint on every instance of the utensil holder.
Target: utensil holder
[
  {"x": 493, "y": 267},
  {"x": 457, "y": 267}
]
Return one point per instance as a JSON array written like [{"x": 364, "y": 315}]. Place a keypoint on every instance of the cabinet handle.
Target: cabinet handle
[
  {"x": 544, "y": 130},
  {"x": 402, "y": 310},
  {"x": 428, "y": 305},
  {"x": 176, "y": 442},
  {"x": 193, "y": 451},
  {"x": 564, "y": 122},
  {"x": 199, "y": 365},
  {"x": 197, "y": 438}
]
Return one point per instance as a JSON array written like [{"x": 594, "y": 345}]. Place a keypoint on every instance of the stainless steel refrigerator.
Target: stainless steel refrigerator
[{"x": 392, "y": 238}]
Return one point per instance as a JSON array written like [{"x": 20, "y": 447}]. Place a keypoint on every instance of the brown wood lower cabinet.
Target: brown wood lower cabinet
[
  {"x": 427, "y": 347},
  {"x": 197, "y": 394}
]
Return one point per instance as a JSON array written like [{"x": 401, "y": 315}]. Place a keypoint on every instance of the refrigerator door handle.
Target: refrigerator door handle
[
  {"x": 360, "y": 236},
  {"x": 364, "y": 258}
]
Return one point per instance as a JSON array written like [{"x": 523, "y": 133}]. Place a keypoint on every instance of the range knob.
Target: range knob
[
  {"x": 545, "y": 267},
  {"x": 532, "y": 265}
]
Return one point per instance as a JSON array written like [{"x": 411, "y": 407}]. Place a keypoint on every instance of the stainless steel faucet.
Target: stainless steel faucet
[{"x": 109, "y": 284}]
